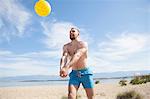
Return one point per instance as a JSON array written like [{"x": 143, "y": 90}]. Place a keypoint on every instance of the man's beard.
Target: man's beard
[{"x": 72, "y": 38}]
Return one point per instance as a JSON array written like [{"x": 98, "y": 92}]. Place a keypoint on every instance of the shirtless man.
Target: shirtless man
[{"x": 75, "y": 57}]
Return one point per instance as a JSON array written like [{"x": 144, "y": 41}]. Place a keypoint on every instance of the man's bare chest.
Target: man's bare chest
[{"x": 72, "y": 49}]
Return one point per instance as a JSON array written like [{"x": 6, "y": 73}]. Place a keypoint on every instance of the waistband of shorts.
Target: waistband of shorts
[{"x": 81, "y": 70}]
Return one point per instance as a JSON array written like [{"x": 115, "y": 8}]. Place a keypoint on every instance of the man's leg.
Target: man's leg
[
  {"x": 72, "y": 91},
  {"x": 90, "y": 93},
  {"x": 88, "y": 84}
]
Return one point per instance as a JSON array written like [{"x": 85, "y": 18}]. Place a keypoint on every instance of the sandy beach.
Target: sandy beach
[{"x": 102, "y": 91}]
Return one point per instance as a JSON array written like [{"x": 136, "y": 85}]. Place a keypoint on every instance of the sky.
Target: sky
[{"x": 117, "y": 33}]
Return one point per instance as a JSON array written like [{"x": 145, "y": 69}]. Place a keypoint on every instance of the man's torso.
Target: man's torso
[{"x": 72, "y": 49}]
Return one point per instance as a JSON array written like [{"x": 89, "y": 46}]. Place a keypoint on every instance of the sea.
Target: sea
[{"x": 36, "y": 80}]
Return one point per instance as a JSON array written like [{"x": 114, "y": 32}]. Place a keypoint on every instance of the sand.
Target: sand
[{"x": 102, "y": 91}]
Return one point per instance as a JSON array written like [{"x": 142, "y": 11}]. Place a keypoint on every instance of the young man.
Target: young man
[{"x": 75, "y": 57}]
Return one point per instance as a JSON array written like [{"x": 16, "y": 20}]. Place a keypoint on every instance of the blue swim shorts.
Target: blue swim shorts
[{"x": 83, "y": 76}]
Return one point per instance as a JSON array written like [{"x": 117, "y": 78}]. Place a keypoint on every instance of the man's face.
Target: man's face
[{"x": 73, "y": 34}]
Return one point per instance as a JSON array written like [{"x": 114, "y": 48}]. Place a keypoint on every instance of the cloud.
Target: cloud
[
  {"x": 124, "y": 52},
  {"x": 47, "y": 56},
  {"x": 13, "y": 19},
  {"x": 42, "y": 54},
  {"x": 24, "y": 68},
  {"x": 5, "y": 53},
  {"x": 124, "y": 45},
  {"x": 57, "y": 34},
  {"x": 33, "y": 63}
]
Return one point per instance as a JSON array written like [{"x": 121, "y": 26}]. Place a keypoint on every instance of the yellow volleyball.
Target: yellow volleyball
[{"x": 42, "y": 8}]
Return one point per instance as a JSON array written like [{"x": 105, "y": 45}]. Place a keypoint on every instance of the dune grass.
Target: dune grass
[
  {"x": 140, "y": 79},
  {"x": 129, "y": 95}
]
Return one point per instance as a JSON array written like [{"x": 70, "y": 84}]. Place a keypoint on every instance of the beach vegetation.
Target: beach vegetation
[
  {"x": 123, "y": 82},
  {"x": 97, "y": 82},
  {"x": 140, "y": 79},
  {"x": 129, "y": 95}
]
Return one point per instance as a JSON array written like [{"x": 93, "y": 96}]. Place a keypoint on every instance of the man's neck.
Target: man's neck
[{"x": 75, "y": 40}]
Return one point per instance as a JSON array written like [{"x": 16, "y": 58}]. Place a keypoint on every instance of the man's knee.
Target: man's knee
[
  {"x": 71, "y": 95},
  {"x": 90, "y": 93},
  {"x": 90, "y": 96}
]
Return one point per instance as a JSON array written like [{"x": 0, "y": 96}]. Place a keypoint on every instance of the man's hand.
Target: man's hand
[{"x": 64, "y": 72}]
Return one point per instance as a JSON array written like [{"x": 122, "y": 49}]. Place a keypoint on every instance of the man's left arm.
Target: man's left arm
[{"x": 77, "y": 55}]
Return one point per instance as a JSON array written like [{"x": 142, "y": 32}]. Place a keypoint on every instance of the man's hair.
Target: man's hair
[{"x": 76, "y": 29}]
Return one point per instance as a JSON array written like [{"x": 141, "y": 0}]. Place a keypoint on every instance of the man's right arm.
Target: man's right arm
[{"x": 63, "y": 60}]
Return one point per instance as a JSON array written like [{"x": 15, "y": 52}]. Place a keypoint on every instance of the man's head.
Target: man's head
[{"x": 74, "y": 33}]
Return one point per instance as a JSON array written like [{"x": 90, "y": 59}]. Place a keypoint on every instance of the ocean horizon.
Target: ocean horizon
[{"x": 35, "y": 80}]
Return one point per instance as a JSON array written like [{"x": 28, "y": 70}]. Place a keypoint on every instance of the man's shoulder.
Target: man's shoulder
[
  {"x": 67, "y": 44},
  {"x": 83, "y": 43}
]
